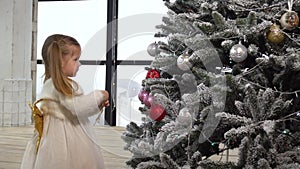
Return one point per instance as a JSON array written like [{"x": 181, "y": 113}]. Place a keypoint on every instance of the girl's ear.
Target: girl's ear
[{"x": 63, "y": 61}]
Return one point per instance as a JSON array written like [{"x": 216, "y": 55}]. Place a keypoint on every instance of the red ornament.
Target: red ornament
[
  {"x": 153, "y": 73},
  {"x": 157, "y": 112}
]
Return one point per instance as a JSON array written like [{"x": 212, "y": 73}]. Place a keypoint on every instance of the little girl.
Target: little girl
[{"x": 67, "y": 140}]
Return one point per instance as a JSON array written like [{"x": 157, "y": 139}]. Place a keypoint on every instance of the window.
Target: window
[
  {"x": 136, "y": 29},
  {"x": 86, "y": 21}
]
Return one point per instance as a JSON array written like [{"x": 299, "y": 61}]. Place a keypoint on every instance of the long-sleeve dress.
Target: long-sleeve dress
[{"x": 67, "y": 141}]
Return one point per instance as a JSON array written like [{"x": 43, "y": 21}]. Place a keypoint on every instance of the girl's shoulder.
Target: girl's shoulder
[{"x": 48, "y": 90}]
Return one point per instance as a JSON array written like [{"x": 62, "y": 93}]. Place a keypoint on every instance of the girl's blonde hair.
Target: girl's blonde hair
[{"x": 54, "y": 49}]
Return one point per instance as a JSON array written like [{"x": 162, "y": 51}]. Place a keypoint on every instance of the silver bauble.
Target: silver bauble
[
  {"x": 184, "y": 118},
  {"x": 183, "y": 62},
  {"x": 238, "y": 53},
  {"x": 153, "y": 49}
]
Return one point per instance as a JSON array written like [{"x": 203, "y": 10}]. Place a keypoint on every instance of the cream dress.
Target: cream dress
[{"x": 67, "y": 141}]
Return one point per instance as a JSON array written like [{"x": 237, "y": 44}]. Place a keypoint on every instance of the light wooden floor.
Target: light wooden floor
[{"x": 13, "y": 141}]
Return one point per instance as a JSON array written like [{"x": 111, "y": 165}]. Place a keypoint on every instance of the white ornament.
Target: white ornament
[
  {"x": 183, "y": 62},
  {"x": 238, "y": 53},
  {"x": 184, "y": 118},
  {"x": 153, "y": 49}
]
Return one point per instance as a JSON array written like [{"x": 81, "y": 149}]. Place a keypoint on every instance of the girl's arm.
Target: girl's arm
[{"x": 85, "y": 105}]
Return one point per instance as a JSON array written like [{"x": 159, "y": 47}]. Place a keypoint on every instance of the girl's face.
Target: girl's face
[{"x": 70, "y": 62}]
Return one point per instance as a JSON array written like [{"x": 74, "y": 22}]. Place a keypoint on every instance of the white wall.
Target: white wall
[{"x": 15, "y": 53}]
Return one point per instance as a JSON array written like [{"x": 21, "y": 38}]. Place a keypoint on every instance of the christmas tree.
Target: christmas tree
[{"x": 227, "y": 76}]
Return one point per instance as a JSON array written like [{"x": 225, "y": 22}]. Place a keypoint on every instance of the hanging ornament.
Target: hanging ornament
[
  {"x": 184, "y": 118},
  {"x": 153, "y": 73},
  {"x": 153, "y": 49},
  {"x": 183, "y": 62},
  {"x": 238, "y": 53},
  {"x": 148, "y": 100},
  {"x": 275, "y": 35},
  {"x": 289, "y": 20},
  {"x": 157, "y": 112},
  {"x": 143, "y": 94}
]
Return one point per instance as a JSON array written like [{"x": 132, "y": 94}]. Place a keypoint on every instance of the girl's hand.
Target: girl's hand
[
  {"x": 106, "y": 103},
  {"x": 105, "y": 94},
  {"x": 105, "y": 97}
]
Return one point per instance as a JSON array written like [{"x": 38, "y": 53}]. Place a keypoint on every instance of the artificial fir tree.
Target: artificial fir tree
[{"x": 228, "y": 74}]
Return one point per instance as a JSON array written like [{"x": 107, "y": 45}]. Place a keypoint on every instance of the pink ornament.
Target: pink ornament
[
  {"x": 143, "y": 94},
  {"x": 157, "y": 112},
  {"x": 148, "y": 100}
]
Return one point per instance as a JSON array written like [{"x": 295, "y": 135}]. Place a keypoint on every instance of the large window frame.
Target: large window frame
[{"x": 111, "y": 61}]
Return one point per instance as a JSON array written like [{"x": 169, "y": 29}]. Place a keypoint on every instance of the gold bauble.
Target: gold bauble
[{"x": 275, "y": 35}]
